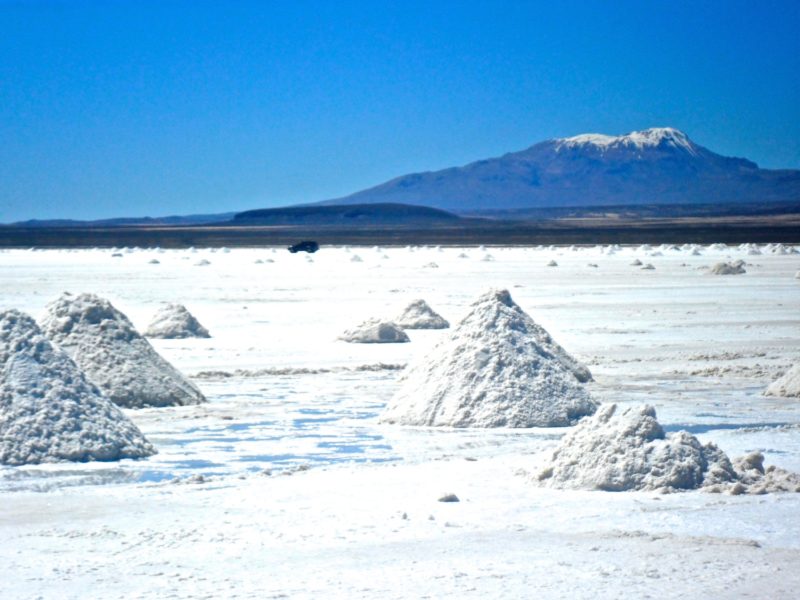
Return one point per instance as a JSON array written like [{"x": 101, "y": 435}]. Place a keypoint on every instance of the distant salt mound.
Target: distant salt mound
[
  {"x": 636, "y": 263},
  {"x": 787, "y": 386},
  {"x": 496, "y": 368},
  {"x": 49, "y": 411},
  {"x": 418, "y": 315},
  {"x": 114, "y": 355},
  {"x": 552, "y": 263},
  {"x": 622, "y": 450},
  {"x": 375, "y": 331},
  {"x": 173, "y": 321},
  {"x": 728, "y": 268}
]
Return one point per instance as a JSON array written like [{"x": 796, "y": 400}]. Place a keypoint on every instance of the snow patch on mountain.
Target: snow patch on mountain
[{"x": 654, "y": 137}]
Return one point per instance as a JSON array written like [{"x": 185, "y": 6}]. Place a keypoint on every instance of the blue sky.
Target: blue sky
[{"x": 155, "y": 108}]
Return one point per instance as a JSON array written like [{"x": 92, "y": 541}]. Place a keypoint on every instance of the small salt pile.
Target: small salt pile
[
  {"x": 648, "y": 267},
  {"x": 202, "y": 263},
  {"x": 787, "y": 386},
  {"x": 552, "y": 263},
  {"x": 375, "y": 331},
  {"x": 623, "y": 450},
  {"x": 418, "y": 315},
  {"x": 174, "y": 321},
  {"x": 496, "y": 368},
  {"x": 114, "y": 355},
  {"x": 636, "y": 263},
  {"x": 728, "y": 268},
  {"x": 49, "y": 410}
]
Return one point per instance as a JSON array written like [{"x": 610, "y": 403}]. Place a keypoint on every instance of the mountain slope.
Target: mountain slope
[{"x": 654, "y": 166}]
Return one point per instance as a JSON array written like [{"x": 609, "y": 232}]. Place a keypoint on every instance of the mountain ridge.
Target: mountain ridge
[{"x": 654, "y": 166}]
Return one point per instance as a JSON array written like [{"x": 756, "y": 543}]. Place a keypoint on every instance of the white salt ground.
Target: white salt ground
[
  {"x": 419, "y": 315},
  {"x": 104, "y": 343},
  {"x": 49, "y": 411},
  {"x": 787, "y": 386},
  {"x": 174, "y": 321},
  {"x": 375, "y": 331},
  {"x": 337, "y": 532},
  {"x": 496, "y": 368},
  {"x": 622, "y": 450}
]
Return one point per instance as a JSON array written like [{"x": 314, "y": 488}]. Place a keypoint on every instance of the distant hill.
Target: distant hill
[
  {"x": 352, "y": 215},
  {"x": 654, "y": 166},
  {"x": 130, "y": 221}
]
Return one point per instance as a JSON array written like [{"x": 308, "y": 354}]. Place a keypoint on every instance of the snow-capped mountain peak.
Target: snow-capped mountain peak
[
  {"x": 653, "y": 166},
  {"x": 636, "y": 140}
]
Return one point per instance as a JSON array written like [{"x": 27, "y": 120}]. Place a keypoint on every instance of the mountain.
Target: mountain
[
  {"x": 654, "y": 166},
  {"x": 130, "y": 221},
  {"x": 354, "y": 215}
]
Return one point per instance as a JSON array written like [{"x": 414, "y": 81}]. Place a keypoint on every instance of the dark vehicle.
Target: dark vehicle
[{"x": 307, "y": 246}]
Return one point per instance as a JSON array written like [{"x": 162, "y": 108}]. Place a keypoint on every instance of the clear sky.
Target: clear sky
[{"x": 154, "y": 108}]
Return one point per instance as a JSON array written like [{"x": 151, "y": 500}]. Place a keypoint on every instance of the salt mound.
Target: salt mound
[
  {"x": 49, "y": 411},
  {"x": 552, "y": 263},
  {"x": 787, "y": 386},
  {"x": 636, "y": 263},
  {"x": 623, "y": 450},
  {"x": 733, "y": 268},
  {"x": 173, "y": 321},
  {"x": 418, "y": 315},
  {"x": 496, "y": 368},
  {"x": 114, "y": 355},
  {"x": 375, "y": 331}
]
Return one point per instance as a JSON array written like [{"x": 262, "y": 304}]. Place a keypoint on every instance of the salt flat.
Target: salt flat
[{"x": 285, "y": 485}]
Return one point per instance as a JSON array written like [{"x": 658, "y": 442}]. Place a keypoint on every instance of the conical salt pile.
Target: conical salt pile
[
  {"x": 114, "y": 355},
  {"x": 173, "y": 321},
  {"x": 496, "y": 368},
  {"x": 728, "y": 268},
  {"x": 375, "y": 331},
  {"x": 418, "y": 315},
  {"x": 622, "y": 450},
  {"x": 787, "y": 386},
  {"x": 49, "y": 411}
]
